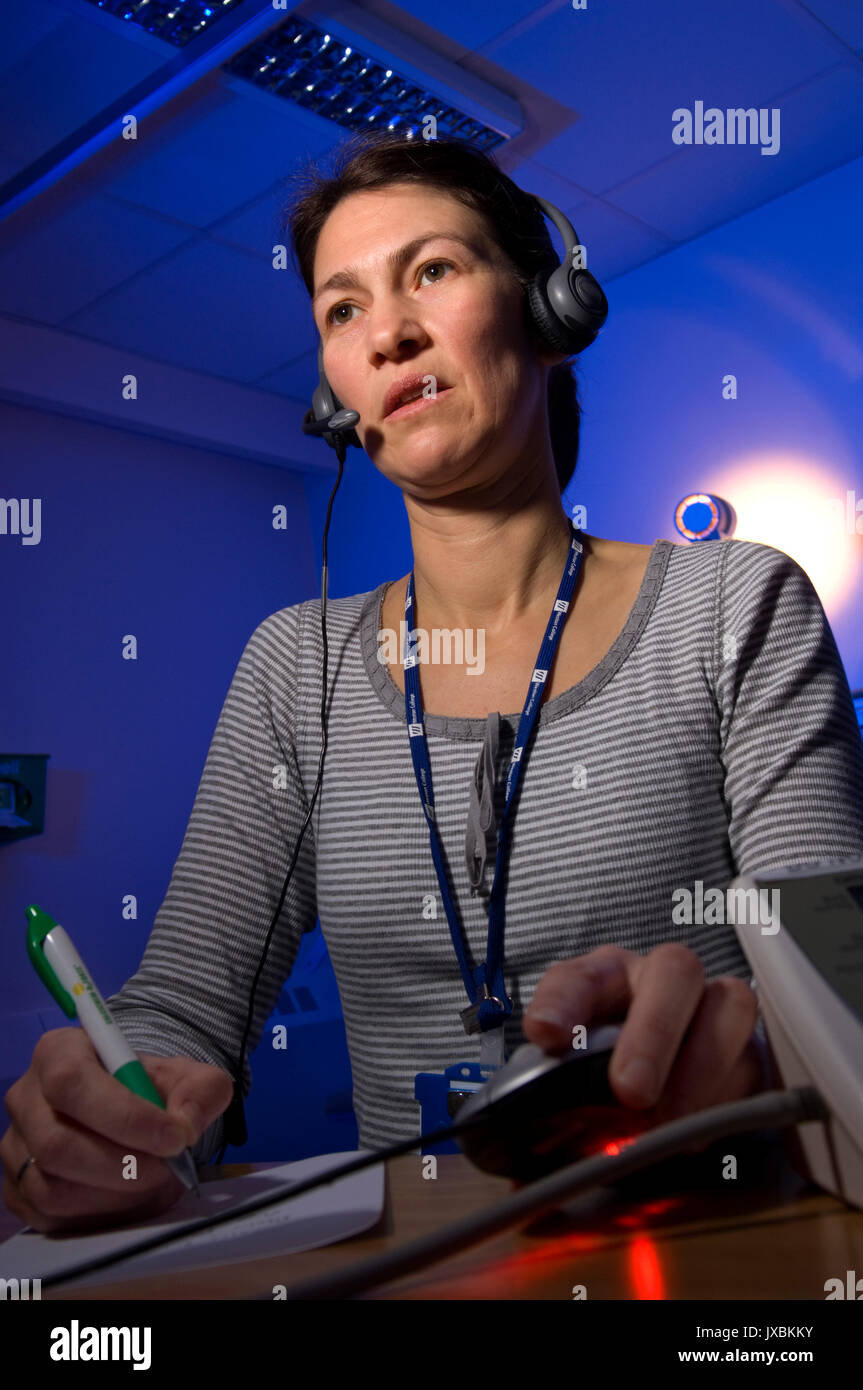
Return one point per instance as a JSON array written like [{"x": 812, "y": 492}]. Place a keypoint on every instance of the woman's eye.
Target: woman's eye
[
  {"x": 434, "y": 263},
  {"x": 336, "y": 307}
]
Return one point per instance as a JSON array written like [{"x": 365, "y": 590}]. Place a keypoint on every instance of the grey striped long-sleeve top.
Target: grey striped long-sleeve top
[{"x": 717, "y": 735}]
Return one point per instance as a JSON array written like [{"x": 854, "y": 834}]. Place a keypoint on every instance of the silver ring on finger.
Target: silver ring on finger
[{"x": 24, "y": 1166}]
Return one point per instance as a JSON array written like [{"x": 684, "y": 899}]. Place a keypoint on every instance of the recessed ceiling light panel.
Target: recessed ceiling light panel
[
  {"x": 175, "y": 21},
  {"x": 327, "y": 75}
]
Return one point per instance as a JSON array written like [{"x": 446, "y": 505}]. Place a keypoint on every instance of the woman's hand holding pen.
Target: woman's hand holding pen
[{"x": 81, "y": 1125}]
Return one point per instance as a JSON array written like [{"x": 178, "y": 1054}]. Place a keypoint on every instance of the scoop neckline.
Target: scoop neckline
[{"x": 457, "y": 727}]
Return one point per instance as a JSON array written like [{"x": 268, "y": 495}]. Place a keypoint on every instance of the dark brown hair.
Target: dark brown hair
[{"x": 373, "y": 159}]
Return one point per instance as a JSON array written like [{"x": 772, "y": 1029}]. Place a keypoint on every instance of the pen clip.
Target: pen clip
[{"x": 39, "y": 924}]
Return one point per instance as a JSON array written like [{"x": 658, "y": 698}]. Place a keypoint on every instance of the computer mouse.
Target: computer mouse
[{"x": 539, "y": 1112}]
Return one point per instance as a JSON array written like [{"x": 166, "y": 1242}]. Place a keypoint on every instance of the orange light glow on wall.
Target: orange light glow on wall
[{"x": 805, "y": 507}]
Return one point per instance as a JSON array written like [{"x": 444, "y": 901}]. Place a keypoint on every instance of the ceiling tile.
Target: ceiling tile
[
  {"x": 821, "y": 127},
  {"x": 475, "y": 24},
  {"x": 228, "y": 151},
  {"x": 626, "y": 69},
  {"x": 535, "y": 176},
  {"x": 64, "y": 79},
  {"x": 255, "y": 228},
  {"x": 844, "y": 17},
  {"x": 22, "y": 27},
  {"x": 52, "y": 272},
  {"x": 207, "y": 307}
]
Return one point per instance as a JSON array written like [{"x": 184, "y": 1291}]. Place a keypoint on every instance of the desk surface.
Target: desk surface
[{"x": 771, "y": 1237}]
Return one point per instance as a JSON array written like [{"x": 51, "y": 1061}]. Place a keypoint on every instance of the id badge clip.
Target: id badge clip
[
  {"x": 442, "y": 1096},
  {"x": 470, "y": 1015},
  {"x": 491, "y": 1044}
]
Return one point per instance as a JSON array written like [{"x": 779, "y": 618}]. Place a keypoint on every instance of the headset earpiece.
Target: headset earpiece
[
  {"x": 568, "y": 306},
  {"x": 582, "y": 310}
]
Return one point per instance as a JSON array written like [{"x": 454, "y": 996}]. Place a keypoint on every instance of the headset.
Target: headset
[{"x": 568, "y": 308}]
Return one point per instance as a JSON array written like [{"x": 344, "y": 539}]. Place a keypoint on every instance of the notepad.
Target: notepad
[{"x": 331, "y": 1213}]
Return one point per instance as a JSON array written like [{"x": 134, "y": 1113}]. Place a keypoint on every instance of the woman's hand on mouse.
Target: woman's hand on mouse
[{"x": 687, "y": 1043}]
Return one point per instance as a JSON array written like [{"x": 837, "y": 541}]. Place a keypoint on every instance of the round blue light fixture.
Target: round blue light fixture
[{"x": 702, "y": 517}]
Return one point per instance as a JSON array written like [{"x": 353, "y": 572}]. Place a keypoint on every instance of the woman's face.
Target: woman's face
[{"x": 449, "y": 309}]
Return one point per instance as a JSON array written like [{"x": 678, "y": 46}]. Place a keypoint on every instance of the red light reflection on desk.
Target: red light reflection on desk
[{"x": 645, "y": 1271}]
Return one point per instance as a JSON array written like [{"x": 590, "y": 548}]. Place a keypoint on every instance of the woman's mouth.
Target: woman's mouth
[{"x": 421, "y": 402}]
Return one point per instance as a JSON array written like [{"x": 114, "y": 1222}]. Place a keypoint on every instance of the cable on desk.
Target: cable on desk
[
  {"x": 769, "y": 1110},
  {"x": 355, "y": 1165}
]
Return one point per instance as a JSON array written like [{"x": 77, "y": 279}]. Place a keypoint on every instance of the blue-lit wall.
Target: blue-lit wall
[
  {"x": 776, "y": 298},
  {"x": 176, "y": 546}
]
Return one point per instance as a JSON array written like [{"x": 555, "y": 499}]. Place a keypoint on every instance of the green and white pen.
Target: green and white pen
[{"x": 58, "y": 964}]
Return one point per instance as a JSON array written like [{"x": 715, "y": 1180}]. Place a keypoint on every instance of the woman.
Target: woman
[
  {"x": 695, "y": 723},
  {"x": 686, "y": 775}
]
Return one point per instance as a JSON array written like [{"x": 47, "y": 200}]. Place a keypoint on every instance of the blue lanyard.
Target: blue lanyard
[{"x": 489, "y": 1004}]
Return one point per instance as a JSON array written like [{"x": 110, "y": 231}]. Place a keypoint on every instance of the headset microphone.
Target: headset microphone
[
  {"x": 341, "y": 422},
  {"x": 568, "y": 308}
]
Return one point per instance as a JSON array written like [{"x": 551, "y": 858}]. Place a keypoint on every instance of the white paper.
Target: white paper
[{"x": 331, "y": 1213}]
